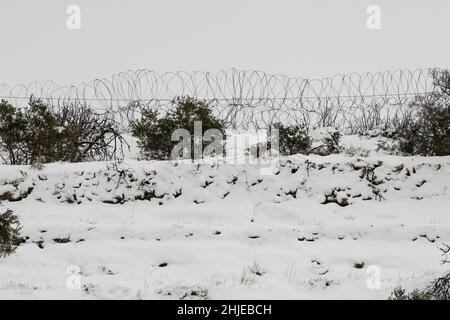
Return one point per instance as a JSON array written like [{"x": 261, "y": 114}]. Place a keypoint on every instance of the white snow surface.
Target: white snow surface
[{"x": 164, "y": 230}]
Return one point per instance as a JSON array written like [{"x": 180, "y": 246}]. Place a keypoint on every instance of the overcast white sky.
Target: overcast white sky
[{"x": 303, "y": 38}]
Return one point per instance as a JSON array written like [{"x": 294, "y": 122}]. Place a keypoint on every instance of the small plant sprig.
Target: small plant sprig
[{"x": 9, "y": 233}]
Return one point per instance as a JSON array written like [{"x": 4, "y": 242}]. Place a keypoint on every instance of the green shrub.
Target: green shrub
[
  {"x": 154, "y": 135},
  {"x": 9, "y": 233},
  {"x": 154, "y": 131},
  {"x": 28, "y": 135},
  {"x": 292, "y": 139},
  {"x": 12, "y": 134},
  {"x": 428, "y": 132},
  {"x": 40, "y": 134}
]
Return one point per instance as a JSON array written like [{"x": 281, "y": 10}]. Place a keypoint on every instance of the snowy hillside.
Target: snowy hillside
[{"x": 316, "y": 228}]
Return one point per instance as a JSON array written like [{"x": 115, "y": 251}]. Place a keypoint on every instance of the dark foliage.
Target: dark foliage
[
  {"x": 292, "y": 139},
  {"x": 427, "y": 133},
  {"x": 9, "y": 233},
  {"x": 84, "y": 135},
  {"x": 154, "y": 131},
  {"x": 13, "y": 127},
  {"x": 41, "y": 134},
  {"x": 438, "y": 289}
]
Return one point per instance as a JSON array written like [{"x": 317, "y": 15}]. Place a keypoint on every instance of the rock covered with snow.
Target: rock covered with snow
[{"x": 15, "y": 185}]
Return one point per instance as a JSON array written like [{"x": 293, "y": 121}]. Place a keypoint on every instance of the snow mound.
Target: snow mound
[
  {"x": 342, "y": 181},
  {"x": 316, "y": 228}
]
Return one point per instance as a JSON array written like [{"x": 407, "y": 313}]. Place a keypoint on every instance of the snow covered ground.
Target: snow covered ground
[{"x": 319, "y": 228}]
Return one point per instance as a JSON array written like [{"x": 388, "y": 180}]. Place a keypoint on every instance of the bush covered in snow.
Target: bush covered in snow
[
  {"x": 427, "y": 133},
  {"x": 293, "y": 139},
  {"x": 154, "y": 131},
  {"x": 9, "y": 233},
  {"x": 356, "y": 151},
  {"x": 438, "y": 289},
  {"x": 42, "y": 134},
  {"x": 325, "y": 141}
]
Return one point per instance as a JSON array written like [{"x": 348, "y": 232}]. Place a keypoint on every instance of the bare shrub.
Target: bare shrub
[
  {"x": 85, "y": 135},
  {"x": 247, "y": 277},
  {"x": 256, "y": 269},
  {"x": 40, "y": 134},
  {"x": 438, "y": 289}
]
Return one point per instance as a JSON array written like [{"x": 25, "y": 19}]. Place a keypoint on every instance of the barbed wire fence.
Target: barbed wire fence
[{"x": 247, "y": 99}]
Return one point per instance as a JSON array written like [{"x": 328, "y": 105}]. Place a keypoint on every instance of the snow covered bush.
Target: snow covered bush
[
  {"x": 388, "y": 146},
  {"x": 325, "y": 141},
  {"x": 9, "y": 233},
  {"x": 400, "y": 293},
  {"x": 40, "y": 134},
  {"x": 428, "y": 132},
  {"x": 154, "y": 131},
  {"x": 28, "y": 135},
  {"x": 292, "y": 139},
  {"x": 438, "y": 289},
  {"x": 358, "y": 151},
  {"x": 298, "y": 139}
]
